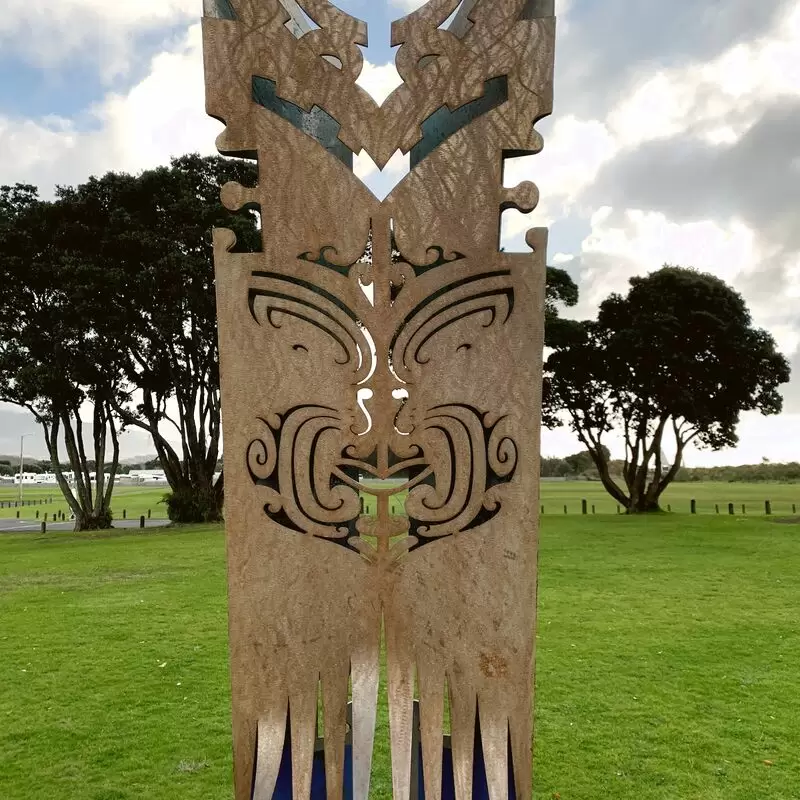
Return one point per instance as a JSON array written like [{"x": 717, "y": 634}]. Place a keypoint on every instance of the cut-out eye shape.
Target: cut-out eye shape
[
  {"x": 428, "y": 59},
  {"x": 300, "y": 348},
  {"x": 464, "y": 347},
  {"x": 332, "y": 59}
]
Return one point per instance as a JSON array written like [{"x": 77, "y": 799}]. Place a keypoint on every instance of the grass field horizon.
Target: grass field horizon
[
  {"x": 667, "y": 663},
  {"x": 137, "y": 501}
]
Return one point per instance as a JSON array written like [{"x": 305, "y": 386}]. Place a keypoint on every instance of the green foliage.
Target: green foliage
[
  {"x": 576, "y": 465},
  {"x": 561, "y": 291},
  {"x": 142, "y": 246},
  {"x": 677, "y": 354},
  {"x": 746, "y": 473},
  {"x": 54, "y": 356},
  {"x": 187, "y": 505}
]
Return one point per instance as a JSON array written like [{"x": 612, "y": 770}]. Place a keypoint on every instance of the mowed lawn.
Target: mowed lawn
[
  {"x": 668, "y": 663},
  {"x": 135, "y": 501},
  {"x": 130, "y": 501}
]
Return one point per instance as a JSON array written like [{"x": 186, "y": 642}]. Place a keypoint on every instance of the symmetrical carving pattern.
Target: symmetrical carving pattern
[{"x": 388, "y": 351}]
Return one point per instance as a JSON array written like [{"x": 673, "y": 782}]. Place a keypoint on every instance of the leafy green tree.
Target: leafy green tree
[
  {"x": 149, "y": 236},
  {"x": 53, "y": 359},
  {"x": 676, "y": 357},
  {"x": 561, "y": 292}
]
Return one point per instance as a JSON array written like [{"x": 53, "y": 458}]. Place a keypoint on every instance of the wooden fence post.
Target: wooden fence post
[
  {"x": 584, "y": 507},
  {"x": 768, "y": 507},
  {"x": 694, "y": 506},
  {"x": 730, "y": 509}
]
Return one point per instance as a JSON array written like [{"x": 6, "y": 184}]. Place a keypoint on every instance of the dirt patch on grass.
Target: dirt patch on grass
[{"x": 785, "y": 520}]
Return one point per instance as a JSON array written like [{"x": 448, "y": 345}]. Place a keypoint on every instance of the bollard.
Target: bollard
[
  {"x": 124, "y": 514},
  {"x": 744, "y": 510},
  {"x": 37, "y": 515},
  {"x": 44, "y": 527},
  {"x": 565, "y": 509},
  {"x": 618, "y": 509},
  {"x": 148, "y": 512},
  {"x": 794, "y": 508},
  {"x": 584, "y": 507},
  {"x": 669, "y": 508},
  {"x": 45, "y": 516},
  {"x": 542, "y": 509},
  {"x": 730, "y": 509},
  {"x": 17, "y": 514},
  {"x": 141, "y": 521},
  {"x": 593, "y": 510},
  {"x": 716, "y": 507},
  {"x": 362, "y": 506},
  {"x": 694, "y": 506},
  {"x": 768, "y": 507}
]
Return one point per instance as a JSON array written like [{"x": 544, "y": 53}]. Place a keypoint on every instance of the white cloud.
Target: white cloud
[
  {"x": 408, "y": 5},
  {"x": 718, "y": 101},
  {"x": 633, "y": 242},
  {"x": 162, "y": 116},
  {"x": 574, "y": 151},
  {"x": 379, "y": 80},
  {"x": 47, "y": 32},
  {"x": 381, "y": 182}
]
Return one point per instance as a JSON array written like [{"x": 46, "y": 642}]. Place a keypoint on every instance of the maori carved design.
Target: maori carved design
[{"x": 381, "y": 373}]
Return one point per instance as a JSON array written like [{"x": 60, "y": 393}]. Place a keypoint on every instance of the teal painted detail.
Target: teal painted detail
[
  {"x": 317, "y": 123},
  {"x": 219, "y": 9},
  {"x": 443, "y": 123}
]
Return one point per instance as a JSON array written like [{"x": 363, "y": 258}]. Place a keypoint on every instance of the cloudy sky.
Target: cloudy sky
[{"x": 675, "y": 138}]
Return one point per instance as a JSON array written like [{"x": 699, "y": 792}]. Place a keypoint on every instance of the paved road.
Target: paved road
[{"x": 28, "y": 526}]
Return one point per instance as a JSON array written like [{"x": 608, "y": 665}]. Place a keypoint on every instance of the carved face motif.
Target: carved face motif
[
  {"x": 311, "y": 460},
  {"x": 375, "y": 349}
]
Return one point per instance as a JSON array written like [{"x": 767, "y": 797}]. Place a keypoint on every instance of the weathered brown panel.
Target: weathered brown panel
[{"x": 449, "y": 345}]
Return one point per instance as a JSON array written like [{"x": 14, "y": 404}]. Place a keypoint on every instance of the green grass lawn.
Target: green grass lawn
[
  {"x": 679, "y": 495},
  {"x": 556, "y": 495},
  {"x": 668, "y": 663},
  {"x": 137, "y": 500}
]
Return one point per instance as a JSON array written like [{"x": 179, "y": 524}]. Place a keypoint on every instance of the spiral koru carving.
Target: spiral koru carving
[
  {"x": 449, "y": 461},
  {"x": 312, "y": 483}
]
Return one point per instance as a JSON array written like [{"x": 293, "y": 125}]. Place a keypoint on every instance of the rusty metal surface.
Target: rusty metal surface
[{"x": 432, "y": 374}]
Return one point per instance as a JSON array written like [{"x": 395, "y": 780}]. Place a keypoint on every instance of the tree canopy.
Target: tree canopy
[
  {"x": 676, "y": 357},
  {"x": 54, "y": 359},
  {"x": 149, "y": 238},
  {"x": 561, "y": 292}
]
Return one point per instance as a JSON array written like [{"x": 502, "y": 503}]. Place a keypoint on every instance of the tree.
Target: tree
[
  {"x": 150, "y": 236},
  {"x": 53, "y": 359},
  {"x": 676, "y": 357},
  {"x": 561, "y": 291}
]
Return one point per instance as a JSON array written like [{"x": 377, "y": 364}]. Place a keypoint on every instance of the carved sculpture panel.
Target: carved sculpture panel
[{"x": 388, "y": 352}]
